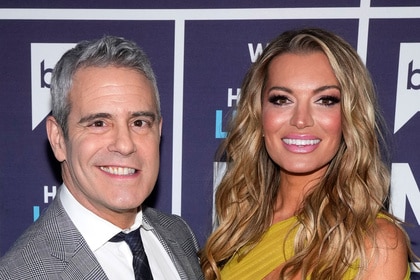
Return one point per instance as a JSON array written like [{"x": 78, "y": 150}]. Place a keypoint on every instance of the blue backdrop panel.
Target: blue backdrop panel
[
  {"x": 386, "y": 36},
  {"x": 27, "y": 163},
  {"x": 218, "y": 55},
  {"x": 217, "y": 46},
  {"x": 394, "y": 3},
  {"x": 184, "y": 4}
]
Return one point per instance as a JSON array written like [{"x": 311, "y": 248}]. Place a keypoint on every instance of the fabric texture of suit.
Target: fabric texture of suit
[{"x": 53, "y": 248}]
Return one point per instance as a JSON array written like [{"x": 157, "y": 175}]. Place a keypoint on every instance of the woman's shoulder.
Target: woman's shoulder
[
  {"x": 387, "y": 250},
  {"x": 389, "y": 234}
]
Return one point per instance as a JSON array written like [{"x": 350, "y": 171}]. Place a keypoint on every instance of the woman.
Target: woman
[{"x": 305, "y": 191}]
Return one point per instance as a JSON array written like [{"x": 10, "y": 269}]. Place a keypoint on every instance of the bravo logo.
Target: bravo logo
[
  {"x": 408, "y": 85},
  {"x": 44, "y": 56},
  {"x": 404, "y": 189}
]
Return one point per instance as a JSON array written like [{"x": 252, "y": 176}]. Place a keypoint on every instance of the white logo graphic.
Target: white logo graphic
[
  {"x": 44, "y": 56},
  {"x": 408, "y": 86},
  {"x": 404, "y": 188},
  {"x": 254, "y": 54}
]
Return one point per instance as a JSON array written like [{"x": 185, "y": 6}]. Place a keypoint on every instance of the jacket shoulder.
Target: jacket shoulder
[
  {"x": 42, "y": 250},
  {"x": 179, "y": 239}
]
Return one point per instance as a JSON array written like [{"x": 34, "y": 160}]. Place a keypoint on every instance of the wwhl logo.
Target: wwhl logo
[
  {"x": 44, "y": 56},
  {"x": 408, "y": 86}
]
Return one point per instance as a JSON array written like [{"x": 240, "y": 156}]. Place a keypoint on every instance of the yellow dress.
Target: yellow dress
[{"x": 267, "y": 255}]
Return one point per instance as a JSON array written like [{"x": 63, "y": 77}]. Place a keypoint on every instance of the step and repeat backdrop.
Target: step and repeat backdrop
[{"x": 200, "y": 51}]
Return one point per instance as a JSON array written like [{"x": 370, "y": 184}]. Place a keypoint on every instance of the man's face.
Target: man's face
[{"x": 111, "y": 157}]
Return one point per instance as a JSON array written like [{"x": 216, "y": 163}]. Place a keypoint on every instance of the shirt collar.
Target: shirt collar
[{"x": 95, "y": 230}]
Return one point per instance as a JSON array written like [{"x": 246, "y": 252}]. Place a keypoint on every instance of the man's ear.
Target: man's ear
[
  {"x": 160, "y": 126},
  {"x": 56, "y": 137}
]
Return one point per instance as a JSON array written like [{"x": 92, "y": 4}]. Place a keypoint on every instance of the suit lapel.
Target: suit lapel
[
  {"x": 69, "y": 246},
  {"x": 171, "y": 242},
  {"x": 176, "y": 253}
]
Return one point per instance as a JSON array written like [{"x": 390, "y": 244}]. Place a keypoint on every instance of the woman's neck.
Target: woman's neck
[{"x": 292, "y": 191}]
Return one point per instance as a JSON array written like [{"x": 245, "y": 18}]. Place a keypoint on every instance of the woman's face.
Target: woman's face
[{"x": 301, "y": 112}]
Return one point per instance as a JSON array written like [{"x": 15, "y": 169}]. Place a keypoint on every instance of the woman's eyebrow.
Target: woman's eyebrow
[
  {"x": 327, "y": 87},
  {"x": 280, "y": 88}
]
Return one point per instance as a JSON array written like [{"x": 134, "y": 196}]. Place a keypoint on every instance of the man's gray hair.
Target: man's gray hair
[{"x": 107, "y": 51}]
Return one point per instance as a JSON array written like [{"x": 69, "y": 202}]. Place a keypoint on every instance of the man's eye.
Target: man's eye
[
  {"x": 140, "y": 123},
  {"x": 98, "y": 124}
]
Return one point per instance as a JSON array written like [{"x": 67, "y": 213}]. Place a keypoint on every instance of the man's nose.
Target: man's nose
[{"x": 122, "y": 141}]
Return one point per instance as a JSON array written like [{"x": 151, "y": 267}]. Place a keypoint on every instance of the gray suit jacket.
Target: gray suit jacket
[{"x": 52, "y": 248}]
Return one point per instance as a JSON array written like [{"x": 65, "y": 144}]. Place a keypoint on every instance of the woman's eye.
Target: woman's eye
[
  {"x": 328, "y": 100},
  {"x": 279, "y": 99}
]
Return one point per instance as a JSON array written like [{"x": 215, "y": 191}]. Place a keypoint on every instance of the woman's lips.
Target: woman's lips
[{"x": 301, "y": 145}]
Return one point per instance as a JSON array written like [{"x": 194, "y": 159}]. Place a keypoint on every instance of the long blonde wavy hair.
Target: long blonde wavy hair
[{"x": 340, "y": 211}]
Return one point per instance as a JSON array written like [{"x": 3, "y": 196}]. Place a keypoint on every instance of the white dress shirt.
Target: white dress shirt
[{"x": 116, "y": 258}]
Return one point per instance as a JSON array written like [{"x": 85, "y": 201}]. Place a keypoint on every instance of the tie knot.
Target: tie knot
[
  {"x": 118, "y": 237},
  {"x": 133, "y": 239}
]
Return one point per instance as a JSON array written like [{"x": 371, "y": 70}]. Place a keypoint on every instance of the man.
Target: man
[{"x": 105, "y": 131}]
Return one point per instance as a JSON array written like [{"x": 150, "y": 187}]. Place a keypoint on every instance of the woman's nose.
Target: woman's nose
[{"x": 302, "y": 116}]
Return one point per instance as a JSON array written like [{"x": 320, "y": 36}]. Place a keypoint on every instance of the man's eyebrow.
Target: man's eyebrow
[
  {"x": 148, "y": 114},
  {"x": 96, "y": 116},
  {"x": 92, "y": 117}
]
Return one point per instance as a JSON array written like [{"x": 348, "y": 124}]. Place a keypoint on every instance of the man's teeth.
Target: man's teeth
[
  {"x": 301, "y": 142},
  {"x": 118, "y": 170}
]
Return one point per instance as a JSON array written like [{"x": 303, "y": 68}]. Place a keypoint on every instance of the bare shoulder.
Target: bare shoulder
[
  {"x": 388, "y": 253},
  {"x": 389, "y": 235}
]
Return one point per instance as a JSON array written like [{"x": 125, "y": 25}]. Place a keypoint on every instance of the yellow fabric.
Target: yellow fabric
[
  {"x": 269, "y": 253},
  {"x": 265, "y": 257}
]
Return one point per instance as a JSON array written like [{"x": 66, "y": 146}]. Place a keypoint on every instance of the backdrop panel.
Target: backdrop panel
[
  {"x": 200, "y": 51},
  {"x": 184, "y": 4},
  {"x": 395, "y": 79},
  {"x": 215, "y": 64},
  {"x": 394, "y": 3},
  {"x": 27, "y": 163}
]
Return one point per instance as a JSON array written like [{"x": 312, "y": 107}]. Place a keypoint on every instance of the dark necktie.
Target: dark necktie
[{"x": 140, "y": 263}]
